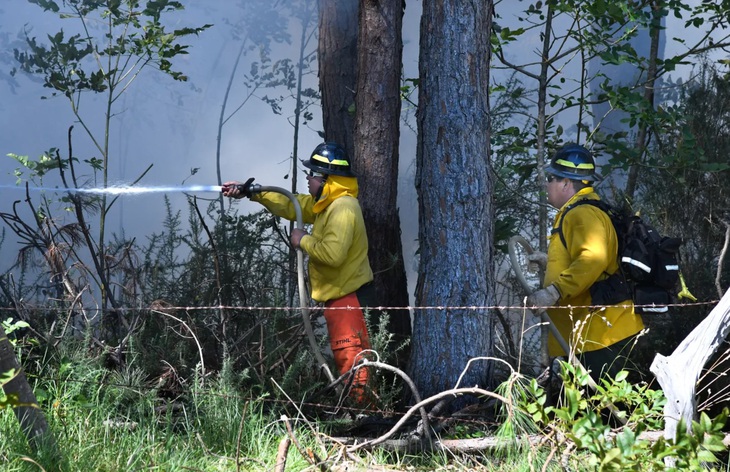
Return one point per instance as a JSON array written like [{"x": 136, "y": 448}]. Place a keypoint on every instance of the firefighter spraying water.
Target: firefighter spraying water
[{"x": 339, "y": 271}]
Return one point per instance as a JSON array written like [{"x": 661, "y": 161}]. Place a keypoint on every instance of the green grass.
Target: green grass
[
  {"x": 214, "y": 431},
  {"x": 154, "y": 443},
  {"x": 116, "y": 421}
]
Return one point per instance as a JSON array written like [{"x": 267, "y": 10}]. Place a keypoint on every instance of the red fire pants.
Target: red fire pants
[{"x": 348, "y": 337}]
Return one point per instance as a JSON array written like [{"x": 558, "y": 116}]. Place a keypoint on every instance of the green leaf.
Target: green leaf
[
  {"x": 714, "y": 167},
  {"x": 6, "y": 377},
  {"x": 706, "y": 456}
]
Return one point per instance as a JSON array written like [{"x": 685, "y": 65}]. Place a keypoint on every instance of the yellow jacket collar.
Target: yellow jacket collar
[
  {"x": 335, "y": 186},
  {"x": 580, "y": 195}
]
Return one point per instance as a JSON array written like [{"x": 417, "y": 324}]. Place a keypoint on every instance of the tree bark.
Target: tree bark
[
  {"x": 337, "y": 57},
  {"x": 455, "y": 192},
  {"x": 377, "y": 134}
]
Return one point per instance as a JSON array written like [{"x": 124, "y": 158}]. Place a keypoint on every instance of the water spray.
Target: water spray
[
  {"x": 121, "y": 189},
  {"x": 256, "y": 188}
]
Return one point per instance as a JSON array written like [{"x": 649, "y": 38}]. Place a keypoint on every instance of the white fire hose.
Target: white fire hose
[
  {"x": 303, "y": 299},
  {"x": 517, "y": 268}
]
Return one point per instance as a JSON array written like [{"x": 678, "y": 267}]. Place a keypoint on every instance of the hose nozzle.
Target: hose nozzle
[
  {"x": 248, "y": 188},
  {"x": 255, "y": 188}
]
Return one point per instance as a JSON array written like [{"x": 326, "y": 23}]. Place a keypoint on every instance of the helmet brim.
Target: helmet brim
[
  {"x": 593, "y": 177},
  {"x": 326, "y": 170}
]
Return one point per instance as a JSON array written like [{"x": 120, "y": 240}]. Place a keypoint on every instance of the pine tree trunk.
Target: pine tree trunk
[
  {"x": 377, "y": 133},
  {"x": 455, "y": 191},
  {"x": 337, "y": 57}
]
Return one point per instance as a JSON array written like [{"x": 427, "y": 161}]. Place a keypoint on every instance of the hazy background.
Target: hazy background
[
  {"x": 170, "y": 124},
  {"x": 173, "y": 125}
]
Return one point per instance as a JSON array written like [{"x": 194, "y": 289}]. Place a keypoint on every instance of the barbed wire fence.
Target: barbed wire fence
[{"x": 516, "y": 330}]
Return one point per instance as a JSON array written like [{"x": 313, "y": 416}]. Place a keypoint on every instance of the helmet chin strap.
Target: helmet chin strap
[{"x": 321, "y": 188}]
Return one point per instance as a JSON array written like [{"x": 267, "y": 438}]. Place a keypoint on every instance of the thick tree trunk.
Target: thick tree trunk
[
  {"x": 337, "y": 57},
  {"x": 30, "y": 416},
  {"x": 455, "y": 197},
  {"x": 377, "y": 133}
]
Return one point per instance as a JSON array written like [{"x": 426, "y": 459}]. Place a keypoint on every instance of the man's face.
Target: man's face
[
  {"x": 559, "y": 190},
  {"x": 315, "y": 182}
]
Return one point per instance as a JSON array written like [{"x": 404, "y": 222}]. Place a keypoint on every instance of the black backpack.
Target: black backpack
[{"x": 648, "y": 262}]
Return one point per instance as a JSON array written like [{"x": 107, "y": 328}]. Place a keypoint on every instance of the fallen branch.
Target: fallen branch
[
  {"x": 414, "y": 391},
  {"x": 421, "y": 404},
  {"x": 281, "y": 452},
  {"x": 477, "y": 445}
]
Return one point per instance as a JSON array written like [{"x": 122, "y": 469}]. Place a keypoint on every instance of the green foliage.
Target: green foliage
[
  {"x": 136, "y": 37},
  {"x": 288, "y": 74},
  {"x": 388, "y": 386},
  {"x": 512, "y": 162},
  {"x": 69, "y": 377},
  {"x": 10, "y": 326},
  {"x": 115, "y": 40},
  {"x": 583, "y": 418},
  {"x": 514, "y": 422},
  {"x": 689, "y": 198},
  {"x": 604, "y": 30},
  {"x": 177, "y": 268},
  {"x": 7, "y": 400},
  {"x": 34, "y": 168},
  {"x": 112, "y": 422}
]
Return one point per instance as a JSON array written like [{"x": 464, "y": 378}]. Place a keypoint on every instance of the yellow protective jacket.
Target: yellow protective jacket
[
  {"x": 338, "y": 244},
  {"x": 591, "y": 255}
]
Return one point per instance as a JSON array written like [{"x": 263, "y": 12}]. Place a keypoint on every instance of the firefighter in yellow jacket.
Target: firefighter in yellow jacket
[
  {"x": 339, "y": 270},
  {"x": 586, "y": 254}
]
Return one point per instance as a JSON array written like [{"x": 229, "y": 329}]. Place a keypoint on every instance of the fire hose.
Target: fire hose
[
  {"x": 517, "y": 268},
  {"x": 303, "y": 299}
]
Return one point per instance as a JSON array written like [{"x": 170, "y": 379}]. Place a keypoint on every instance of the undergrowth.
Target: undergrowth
[{"x": 113, "y": 419}]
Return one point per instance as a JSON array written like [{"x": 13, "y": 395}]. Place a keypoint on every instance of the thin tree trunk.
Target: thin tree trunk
[
  {"x": 377, "y": 134},
  {"x": 643, "y": 134},
  {"x": 455, "y": 192},
  {"x": 541, "y": 138},
  {"x": 303, "y": 42}
]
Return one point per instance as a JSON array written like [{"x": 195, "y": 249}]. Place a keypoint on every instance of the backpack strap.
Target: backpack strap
[
  {"x": 614, "y": 288},
  {"x": 600, "y": 204}
]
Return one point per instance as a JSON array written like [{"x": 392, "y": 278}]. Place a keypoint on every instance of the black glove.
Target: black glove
[{"x": 245, "y": 188}]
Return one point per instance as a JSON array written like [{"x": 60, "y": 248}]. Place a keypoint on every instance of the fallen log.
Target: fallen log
[{"x": 474, "y": 445}]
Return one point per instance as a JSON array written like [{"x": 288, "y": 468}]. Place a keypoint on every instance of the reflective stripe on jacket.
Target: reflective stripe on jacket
[{"x": 590, "y": 256}]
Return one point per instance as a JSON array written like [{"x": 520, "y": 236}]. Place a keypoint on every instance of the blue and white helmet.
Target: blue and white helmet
[{"x": 573, "y": 162}]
